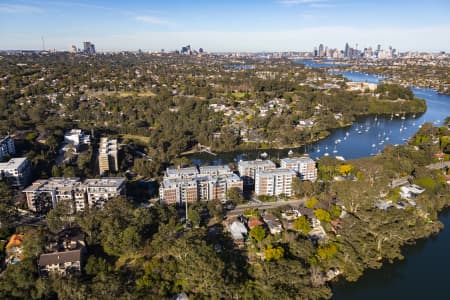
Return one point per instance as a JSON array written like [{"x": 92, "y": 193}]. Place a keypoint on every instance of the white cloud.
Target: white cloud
[
  {"x": 19, "y": 9},
  {"x": 152, "y": 20}
]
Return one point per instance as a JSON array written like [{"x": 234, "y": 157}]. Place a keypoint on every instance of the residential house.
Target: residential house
[
  {"x": 62, "y": 262},
  {"x": 273, "y": 223}
]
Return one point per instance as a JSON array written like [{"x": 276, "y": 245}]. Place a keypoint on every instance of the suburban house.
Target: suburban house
[
  {"x": 62, "y": 262},
  {"x": 273, "y": 223},
  {"x": 411, "y": 191}
]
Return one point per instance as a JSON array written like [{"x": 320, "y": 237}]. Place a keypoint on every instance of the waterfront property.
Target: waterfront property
[
  {"x": 44, "y": 194},
  {"x": 248, "y": 169},
  {"x": 198, "y": 184},
  {"x": 305, "y": 167}
]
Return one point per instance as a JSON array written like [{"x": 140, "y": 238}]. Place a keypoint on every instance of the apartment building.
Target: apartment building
[
  {"x": 108, "y": 156},
  {"x": 99, "y": 191},
  {"x": 274, "y": 182},
  {"x": 16, "y": 171},
  {"x": 198, "y": 184},
  {"x": 44, "y": 194},
  {"x": 76, "y": 138},
  {"x": 248, "y": 169},
  {"x": 6, "y": 146},
  {"x": 305, "y": 167}
]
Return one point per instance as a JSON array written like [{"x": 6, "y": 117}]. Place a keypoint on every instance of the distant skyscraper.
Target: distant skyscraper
[
  {"x": 89, "y": 48},
  {"x": 347, "y": 50},
  {"x": 321, "y": 52}
]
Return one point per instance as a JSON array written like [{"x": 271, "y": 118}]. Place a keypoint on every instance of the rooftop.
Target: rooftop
[
  {"x": 13, "y": 163},
  {"x": 294, "y": 160},
  {"x": 258, "y": 162},
  {"x": 105, "y": 181},
  {"x": 59, "y": 257}
]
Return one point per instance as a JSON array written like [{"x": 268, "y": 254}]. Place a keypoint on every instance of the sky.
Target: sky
[{"x": 219, "y": 26}]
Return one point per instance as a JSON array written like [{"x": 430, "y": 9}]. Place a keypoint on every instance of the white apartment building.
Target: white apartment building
[
  {"x": 6, "y": 146},
  {"x": 248, "y": 169},
  {"x": 16, "y": 171},
  {"x": 305, "y": 167},
  {"x": 274, "y": 182},
  {"x": 76, "y": 137}
]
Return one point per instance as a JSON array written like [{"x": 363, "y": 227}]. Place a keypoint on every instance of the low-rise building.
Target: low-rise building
[
  {"x": 411, "y": 191},
  {"x": 274, "y": 182},
  {"x": 305, "y": 167},
  {"x": 108, "y": 156},
  {"x": 16, "y": 171},
  {"x": 248, "y": 169},
  {"x": 273, "y": 223},
  {"x": 66, "y": 262},
  {"x": 6, "y": 146}
]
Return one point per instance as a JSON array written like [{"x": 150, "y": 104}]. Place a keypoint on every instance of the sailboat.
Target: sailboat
[
  {"x": 335, "y": 150},
  {"x": 290, "y": 153}
]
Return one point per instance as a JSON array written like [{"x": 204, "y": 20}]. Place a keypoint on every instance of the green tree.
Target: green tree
[
  {"x": 274, "y": 253},
  {"x": 322, "y": 215},
  {"x": 257, "y": 234},
  {"x": 302, "y": 224}
]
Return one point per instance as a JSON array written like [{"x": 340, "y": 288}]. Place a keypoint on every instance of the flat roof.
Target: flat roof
[
  {"x": 293, "y": 160},
  {"x": 13, "y": 163},
  {"x": 257, "y": 162}
]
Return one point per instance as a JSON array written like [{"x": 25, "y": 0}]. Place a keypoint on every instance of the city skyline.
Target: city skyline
[{"x": 271, "y": 25}]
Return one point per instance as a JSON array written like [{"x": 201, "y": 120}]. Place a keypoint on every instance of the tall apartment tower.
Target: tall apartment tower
[{"x": 107, "y": 156}]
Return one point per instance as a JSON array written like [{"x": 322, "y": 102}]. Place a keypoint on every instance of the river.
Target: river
[{"x": 424, "y": 273}]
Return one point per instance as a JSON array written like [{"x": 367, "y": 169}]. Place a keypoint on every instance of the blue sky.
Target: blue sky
[{"x": 233, "y": 25}]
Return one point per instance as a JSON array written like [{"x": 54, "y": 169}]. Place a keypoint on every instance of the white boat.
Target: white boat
[
  {"x": 326, "y": 154},
  {"x": 373, "y": 145},
  {"x": 263, "y": 155},
  {"x": 290, "y": 153}
]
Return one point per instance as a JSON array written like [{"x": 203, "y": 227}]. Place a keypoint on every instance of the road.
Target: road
[{"x": 239, "y": 210}]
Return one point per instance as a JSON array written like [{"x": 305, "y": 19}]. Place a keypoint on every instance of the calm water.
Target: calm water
[
  {"x": 425, "y": 271},
  {"x": 367, "y": 136}
]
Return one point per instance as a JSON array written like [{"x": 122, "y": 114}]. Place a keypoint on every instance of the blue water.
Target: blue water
[
  {"x": 424, "y": 274},
  {"x": 367, "y": 136}
]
